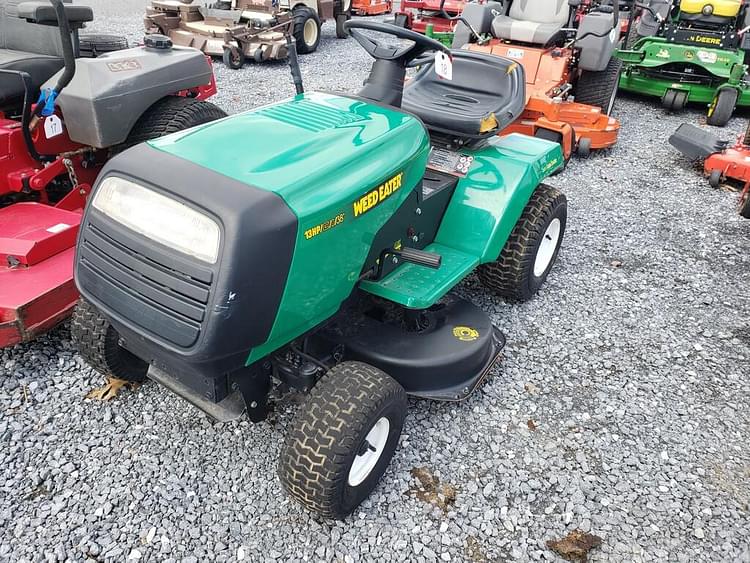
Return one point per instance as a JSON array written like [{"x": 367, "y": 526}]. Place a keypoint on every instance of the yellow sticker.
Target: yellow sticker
[
  {"x": 465, "y": 333},
  {"x": 324, "y": 226},
  {"x": 378, "y": 195}
]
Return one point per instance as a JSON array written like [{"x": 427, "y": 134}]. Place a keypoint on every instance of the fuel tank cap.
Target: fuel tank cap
[{"x": 157, "y": 41}]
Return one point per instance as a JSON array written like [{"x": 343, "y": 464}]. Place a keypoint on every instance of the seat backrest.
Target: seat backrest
[
  {"x": 540, "y": 11},
  {"x": 19, "y": 35}
]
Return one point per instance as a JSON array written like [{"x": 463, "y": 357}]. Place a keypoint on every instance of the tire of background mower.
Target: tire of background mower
[
  {"x": 401, "y": 21},
  {"x": 302, "y": 14},
  {"x": 600, "y": 88},
  {"x": 329, "y": 430},
  {"x": 341, "y": 19},
  {"x": 721, "y": 109},
  {"x": 714, "y": 178},
  {"x": 743, "y": 208},
  {"x": 92, "y": 45},
  {"x": 99, "y": 344},
  {"x": 512, "y": 274},
  {"x": 170, "y": 115},
  {"x": 233, "y": 58}
]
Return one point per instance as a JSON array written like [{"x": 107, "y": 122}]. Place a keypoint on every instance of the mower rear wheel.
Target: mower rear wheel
[
  {"x": 306, "y": 29},
  {"x": 599, "y": 88},
  {"x": 341, "y": 440},
  {"x": 99, "y": 344},
  {"x": 722, "y": 107},
  {"x": 170, "y": 115},
  {"x": 531, "y": 249},
  {"x": 233, "y": 58}
]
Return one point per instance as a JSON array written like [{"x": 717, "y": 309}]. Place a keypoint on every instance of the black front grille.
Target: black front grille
[{"x": 163, "y": 292}]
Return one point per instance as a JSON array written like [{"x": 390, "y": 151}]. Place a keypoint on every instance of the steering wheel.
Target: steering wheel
[{"x": 379, "y": 51}]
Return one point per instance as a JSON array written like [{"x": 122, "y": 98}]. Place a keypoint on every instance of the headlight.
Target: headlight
[{"x": 158, "y": 217}]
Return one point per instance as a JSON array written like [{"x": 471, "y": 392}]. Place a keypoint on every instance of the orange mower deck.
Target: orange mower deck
[
  {"x": 547, "y": 106},
  {"x": 371, "y": 7}
]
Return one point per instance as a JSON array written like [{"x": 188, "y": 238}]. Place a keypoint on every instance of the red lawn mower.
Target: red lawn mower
[
  {"x": 720, "y": 160},
  {"x": 61, "y": 118},
  {"x": 418, "y": 14}
]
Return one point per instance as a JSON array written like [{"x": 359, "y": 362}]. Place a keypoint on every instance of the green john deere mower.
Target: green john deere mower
[
  {"x": 313, "y": 244},
  {"x": 690, "y": 51}
]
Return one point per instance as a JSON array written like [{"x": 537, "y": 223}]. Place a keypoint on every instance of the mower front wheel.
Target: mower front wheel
[
  {"x": 99, "y": 344},
  {"x": 531, "y": 249},
  {"x": 341, "y": 440},
  {"x": 722, "y": 107}
]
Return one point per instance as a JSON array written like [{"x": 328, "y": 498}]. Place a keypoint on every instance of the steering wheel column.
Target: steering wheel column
[{"x": 385, "y": 84}]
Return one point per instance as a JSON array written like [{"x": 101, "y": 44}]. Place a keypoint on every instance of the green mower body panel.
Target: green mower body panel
[{"x": 645, "y": 62}]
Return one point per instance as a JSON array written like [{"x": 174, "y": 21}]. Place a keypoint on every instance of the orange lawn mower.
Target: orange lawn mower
[
  {"x": 567, "y": 53},
  {"x": 720, "y": 160},
  {"x": 438, "y": 15},
  {"x": 371, "y": 7}
]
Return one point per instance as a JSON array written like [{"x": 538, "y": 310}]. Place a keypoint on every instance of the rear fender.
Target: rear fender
[
  {"x": 108, "y": 94},
  {"x": 490, "y": 199}
]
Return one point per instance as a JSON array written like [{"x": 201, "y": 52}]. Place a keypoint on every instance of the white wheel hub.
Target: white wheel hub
[
  {"x": 547, "y": 247},
  {"x": 346, "y": 4},
  {"x": 366, "y": 460},
  {"x": 310, "y": 32}
]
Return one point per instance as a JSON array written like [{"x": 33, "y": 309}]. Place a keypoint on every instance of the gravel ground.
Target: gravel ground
[{"x": 631, "y": 364}]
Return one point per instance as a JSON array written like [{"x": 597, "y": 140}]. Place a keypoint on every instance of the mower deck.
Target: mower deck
[
  {"x": 546, "y": 107},
  {"x": 654, "y": 67},
  {"x": 37, "y": 247}
]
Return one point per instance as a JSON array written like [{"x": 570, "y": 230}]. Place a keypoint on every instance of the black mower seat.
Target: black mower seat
[
  {"x": 483, "y": 86},
  {"x": 40, "y": 67}
]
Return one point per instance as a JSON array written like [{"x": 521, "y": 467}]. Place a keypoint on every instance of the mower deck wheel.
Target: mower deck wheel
[
  {"x": 342, "y": 439},
  {"x": 341, "y": 19},
  {"x": 233, "y": 57},
  {"x": 531, "y": 249},
  {"x": 722, "y": 107},
  {"x": 674, "y": 101},
  {"x": 583, "y": 149},
  {"x": 306, "y": 29},
  {"x": 600, "y": 88},
  {"x": 714, "y": 178},
  {"x": 99, "y": 344}
]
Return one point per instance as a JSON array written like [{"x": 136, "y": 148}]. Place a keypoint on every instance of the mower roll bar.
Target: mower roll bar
[{"x": 46, "y": 103}]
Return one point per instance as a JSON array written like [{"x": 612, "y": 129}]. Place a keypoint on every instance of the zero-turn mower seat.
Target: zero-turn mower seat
[
  {"x": 40, "y": 67},
  {"x": 486, "y": 94},
  {"x": 32, "y": 47},
  {"x": 532, "y": 21}
]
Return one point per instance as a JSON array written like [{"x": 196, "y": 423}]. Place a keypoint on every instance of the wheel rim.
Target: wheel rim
[
  {"x": 371, "y": 451},
  {"x": 310, "y": 32},
  {"x": 547, "y": 247},
  {"x": 346, "y": 4}
]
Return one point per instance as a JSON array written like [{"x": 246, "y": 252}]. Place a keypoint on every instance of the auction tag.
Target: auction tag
[
  {"x": 444, "y": 65},
  {"x": 53, "y": 126}
]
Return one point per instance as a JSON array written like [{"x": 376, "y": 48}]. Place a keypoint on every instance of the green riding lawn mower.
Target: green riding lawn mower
[
  {"x": 313, "y": 244},
  {"x": 690, "y": 51}
]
